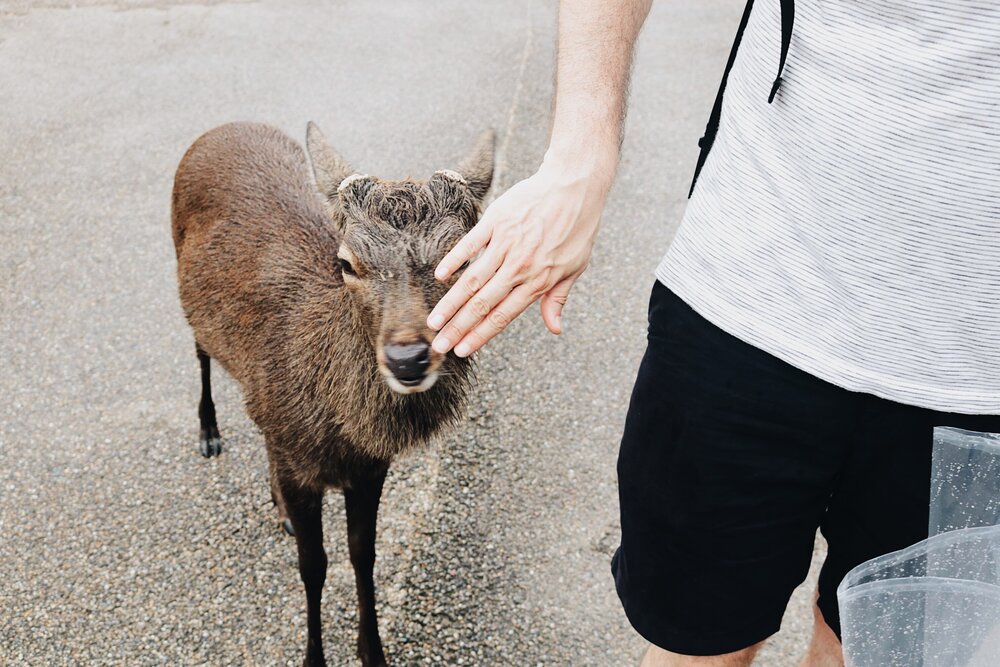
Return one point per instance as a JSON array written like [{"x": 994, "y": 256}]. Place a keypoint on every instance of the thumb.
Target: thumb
[{"x": 553, "y": 302}]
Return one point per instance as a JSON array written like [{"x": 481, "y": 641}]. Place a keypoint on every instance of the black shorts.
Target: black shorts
[{"x": 730, "y": 460}]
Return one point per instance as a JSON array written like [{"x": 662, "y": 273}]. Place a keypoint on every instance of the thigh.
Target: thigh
[
  {"x": 727, "y": 461},
  {"x": 882, "y": 500}
]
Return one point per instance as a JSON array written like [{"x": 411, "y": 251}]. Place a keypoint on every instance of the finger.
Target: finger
[
  {"x": 472, "y": 313},
  {"x": 465, "y": 249},
  {"x": 466, "y": 287},
  {"x": 503, "y": 314},
  {"x": 553, "y": 302}
]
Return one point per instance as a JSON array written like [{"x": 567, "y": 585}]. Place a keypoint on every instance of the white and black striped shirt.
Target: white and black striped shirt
[{"x": 852, "y": 227}]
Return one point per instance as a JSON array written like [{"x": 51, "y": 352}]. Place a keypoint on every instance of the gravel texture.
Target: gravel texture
[{"x": 119, "y": 545}]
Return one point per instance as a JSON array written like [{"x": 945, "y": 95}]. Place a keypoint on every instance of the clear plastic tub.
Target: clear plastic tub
[
  {"x": 936, "y": 603},
  {"x": 965, "y": 480}
]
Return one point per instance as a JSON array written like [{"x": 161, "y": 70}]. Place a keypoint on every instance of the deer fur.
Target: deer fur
[{"x": 299, "y": 283}]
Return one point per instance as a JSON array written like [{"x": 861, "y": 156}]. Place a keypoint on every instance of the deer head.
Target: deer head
[{"x": 393, "y": 234}]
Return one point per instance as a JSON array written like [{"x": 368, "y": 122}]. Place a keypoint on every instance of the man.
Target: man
[{"x": 829, "y": 298}]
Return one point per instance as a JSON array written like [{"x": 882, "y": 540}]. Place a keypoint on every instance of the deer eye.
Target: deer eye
[{"x": 346, "y": 267}]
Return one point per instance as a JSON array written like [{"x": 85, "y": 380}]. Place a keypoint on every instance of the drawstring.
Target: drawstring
[{"x": 787, "y": 22}]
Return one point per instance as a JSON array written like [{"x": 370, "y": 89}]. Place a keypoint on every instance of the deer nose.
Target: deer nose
[{"x": 408, "y": 361}]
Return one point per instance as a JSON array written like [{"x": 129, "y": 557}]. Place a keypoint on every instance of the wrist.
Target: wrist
[{"x": 586, "y": 159}]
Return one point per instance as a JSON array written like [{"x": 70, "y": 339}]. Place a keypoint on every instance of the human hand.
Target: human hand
[{"x": 538, "y": 237}]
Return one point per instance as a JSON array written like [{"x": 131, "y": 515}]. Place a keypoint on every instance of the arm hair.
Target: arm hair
[{"x": 593, "y": 64}]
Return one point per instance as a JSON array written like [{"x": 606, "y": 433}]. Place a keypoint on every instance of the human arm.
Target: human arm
[{"x": 538, "y": 236}]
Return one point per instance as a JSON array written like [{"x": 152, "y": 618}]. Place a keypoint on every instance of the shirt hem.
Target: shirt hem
[{"x": 822, "y": 365}]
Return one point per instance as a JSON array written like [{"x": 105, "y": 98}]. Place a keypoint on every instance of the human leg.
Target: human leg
[
  {"x": 658, "y": 657},
  {"x": 727, "y": 462}
]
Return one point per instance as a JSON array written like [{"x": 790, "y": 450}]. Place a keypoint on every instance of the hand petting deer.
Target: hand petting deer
[{"x": 312, "y": 291}]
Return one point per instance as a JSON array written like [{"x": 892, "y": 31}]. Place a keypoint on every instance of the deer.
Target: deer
[{"x": 310, "y": 284}]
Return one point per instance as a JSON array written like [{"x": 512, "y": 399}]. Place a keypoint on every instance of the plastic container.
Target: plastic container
[
  {"x": 965, "y": 480},
  {"x": 936, "y": 603}
]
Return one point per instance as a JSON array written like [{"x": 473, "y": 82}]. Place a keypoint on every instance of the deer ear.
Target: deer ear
[
  {"x": 329, "y": 169},
  {"x": 477, "y": 168}
]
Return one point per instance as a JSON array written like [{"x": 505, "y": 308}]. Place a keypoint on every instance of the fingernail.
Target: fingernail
[
  {"x": 462, "y": 350},
  {"x": 435, "y": 321},
  {"x": 439, "y": 274},
  {"x": 441, "y": 345}
]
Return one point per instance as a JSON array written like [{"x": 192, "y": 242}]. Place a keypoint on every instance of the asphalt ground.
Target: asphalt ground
[{"x": 119, "y": 544}]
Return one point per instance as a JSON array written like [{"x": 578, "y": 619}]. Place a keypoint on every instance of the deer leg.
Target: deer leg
[
  {"x": 278, "y": 500},
  {"x": 361, "y": 500},
  {"x": 210, "y": 441},
  {"x": 305, "y": 511}
]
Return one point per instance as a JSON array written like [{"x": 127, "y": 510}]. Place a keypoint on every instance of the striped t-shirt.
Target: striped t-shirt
[{"x": 852, "y": 227}]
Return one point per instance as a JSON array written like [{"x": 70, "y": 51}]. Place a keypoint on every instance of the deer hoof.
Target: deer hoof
[
  {"x": 372, "y": 657},
  {"x": 314, "y": 661},
  {"x": 287, "y": 525},
  {"x": 210, "y": 444}
]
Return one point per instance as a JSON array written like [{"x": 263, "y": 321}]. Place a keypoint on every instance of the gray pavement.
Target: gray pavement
[{"x": 119, "y": 545}]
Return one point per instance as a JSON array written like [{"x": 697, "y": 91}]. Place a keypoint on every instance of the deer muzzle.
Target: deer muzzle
[{"x": 408, "y": 362}]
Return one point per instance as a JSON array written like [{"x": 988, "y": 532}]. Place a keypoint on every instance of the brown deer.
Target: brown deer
[{"x": 312, "y": 291}]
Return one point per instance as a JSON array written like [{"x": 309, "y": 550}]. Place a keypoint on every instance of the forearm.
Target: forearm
[
  {"x": 593, "y": 63},
  {"x": 536, "y": 238}
]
